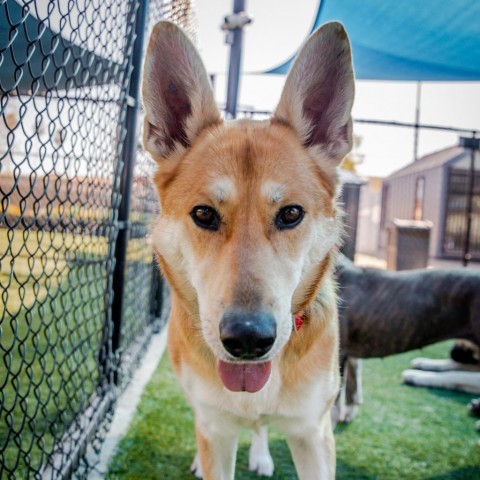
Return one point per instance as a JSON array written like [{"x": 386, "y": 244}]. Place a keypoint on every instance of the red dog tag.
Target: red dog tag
[{"x": 298, "y": 321}]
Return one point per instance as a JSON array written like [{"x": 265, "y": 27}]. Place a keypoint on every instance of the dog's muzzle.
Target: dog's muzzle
[{"x": 248, "y": 335}]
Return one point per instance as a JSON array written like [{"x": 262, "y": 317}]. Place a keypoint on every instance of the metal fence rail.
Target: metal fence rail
[{"x": 78, "y": 285}]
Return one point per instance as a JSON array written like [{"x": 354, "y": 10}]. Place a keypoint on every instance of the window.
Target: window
[
  {"x": 419, "y": 194},
  {"x": 384, "y": 205}
]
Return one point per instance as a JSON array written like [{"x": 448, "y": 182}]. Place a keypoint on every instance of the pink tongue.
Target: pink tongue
[{"x": 244, "y": 377}]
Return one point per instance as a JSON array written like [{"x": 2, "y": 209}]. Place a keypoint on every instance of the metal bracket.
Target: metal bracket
[
  {"x": 236, "y": 21},
  {"x": 124, "y": 225},
  {"x": 131, "y": 102}
]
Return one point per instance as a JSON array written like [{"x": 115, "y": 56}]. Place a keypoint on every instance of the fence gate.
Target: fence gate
[{"x": 78, "y": 285}]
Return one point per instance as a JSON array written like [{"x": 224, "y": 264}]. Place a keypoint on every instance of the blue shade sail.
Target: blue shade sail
[
  {"x": 33, "y": 58},
  {"x": 415, "y": 40}
]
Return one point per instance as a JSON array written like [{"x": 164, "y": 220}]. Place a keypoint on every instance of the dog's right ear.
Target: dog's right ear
[{"x": 177, "y": 95}]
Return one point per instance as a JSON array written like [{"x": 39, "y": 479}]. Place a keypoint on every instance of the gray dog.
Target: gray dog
[{"x": 383, "y": 313}]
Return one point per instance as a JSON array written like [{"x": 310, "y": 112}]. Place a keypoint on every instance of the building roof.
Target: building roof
[
  {"x": 432, "y": 160},
  {"x": 348, "y": 177}
]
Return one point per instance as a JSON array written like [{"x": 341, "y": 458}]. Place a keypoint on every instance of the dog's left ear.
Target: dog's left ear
[
  {"x": 318, "y": 95},
  {"x": 177, "y": 95}
]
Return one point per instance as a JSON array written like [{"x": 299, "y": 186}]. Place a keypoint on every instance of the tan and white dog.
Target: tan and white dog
[{"x": 245, "y": 236}]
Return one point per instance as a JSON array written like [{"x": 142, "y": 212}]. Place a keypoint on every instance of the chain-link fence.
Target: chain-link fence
[{"x": 78, "y": 285}]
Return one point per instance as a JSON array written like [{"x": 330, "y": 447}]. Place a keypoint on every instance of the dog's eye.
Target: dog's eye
[
  {"x": 289, "y": 217},
  {"x": 205, "y": 217}
]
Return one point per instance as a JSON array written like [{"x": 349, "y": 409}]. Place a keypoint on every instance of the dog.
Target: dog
[
  {"x": 461, "y": 372},
  {"x": 457, "y": 377},
  {"x": 245, "y": 238},
  {"x": 384, "y": 313}
]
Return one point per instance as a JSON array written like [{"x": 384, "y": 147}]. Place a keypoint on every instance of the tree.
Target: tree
[{"x": 354, "y": 158}]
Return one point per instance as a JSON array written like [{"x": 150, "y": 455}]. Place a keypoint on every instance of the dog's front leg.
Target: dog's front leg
[
  {"x": 313, "y": 452},
  {"x": 259, "y": 459},
  {"x": 217, "y": 451}
]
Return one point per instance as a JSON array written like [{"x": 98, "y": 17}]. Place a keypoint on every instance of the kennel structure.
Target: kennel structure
[
  {"x": 80, "y": 294},
  {"x": 436, "y": 188},
  {"x": 350, "y": 201}
]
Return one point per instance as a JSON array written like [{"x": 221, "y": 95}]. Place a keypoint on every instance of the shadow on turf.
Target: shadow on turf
[
  {"x": 457, "y": 397},
  {"x": 458, "y": 474},
  {"x": 348, "y": 472},
  {"x": 284, "y": 468},
  {"x": 176, "y": 466},
  {"x": 151, "y": 462}
]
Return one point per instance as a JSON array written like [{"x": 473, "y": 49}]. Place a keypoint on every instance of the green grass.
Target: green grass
[
  {"x": 52, "y": 314},
  {"x": 51, "y": 319},
  {"x": 401, "y": 432},
  {"x": 34, "y": 263}
]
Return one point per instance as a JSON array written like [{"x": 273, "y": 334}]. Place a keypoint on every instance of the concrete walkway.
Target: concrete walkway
[
  {"x": 127, "y": 403},
  {"x": 378, "y": 261}
]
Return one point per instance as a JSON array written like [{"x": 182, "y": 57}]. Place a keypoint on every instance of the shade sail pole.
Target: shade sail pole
[
  {"x": 417, "y": 121},
  {"x": 233, "y": 25}
]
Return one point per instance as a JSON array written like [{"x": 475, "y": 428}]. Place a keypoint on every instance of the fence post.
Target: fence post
[
  {"x": 156, "y": 299},
  {"x": 128, "y": 160},
  {"x": 473, "y": 144}
]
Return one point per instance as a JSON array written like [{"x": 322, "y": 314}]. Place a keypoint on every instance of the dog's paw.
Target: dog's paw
[
  {"x": 344, "y": 414},
  {"x": 196, "y": 468},
  {"x": 349, "y": 413},
  {"x": 474, "y": 407},
  {"x": 436, "y": 365},
  {"x": 410, "y": 377},
  {"x": 261, "y": 464}
]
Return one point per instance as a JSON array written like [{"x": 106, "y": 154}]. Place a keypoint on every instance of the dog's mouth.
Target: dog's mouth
[{"x": 245, "y": 376}]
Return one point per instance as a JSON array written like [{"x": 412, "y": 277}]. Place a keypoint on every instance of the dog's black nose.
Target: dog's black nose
[{"x": 248, "y": 335}]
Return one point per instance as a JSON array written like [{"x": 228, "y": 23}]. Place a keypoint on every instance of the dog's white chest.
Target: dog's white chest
[
  {"x": 251, "y": 407},
  {"x": 273, "y": 404}
]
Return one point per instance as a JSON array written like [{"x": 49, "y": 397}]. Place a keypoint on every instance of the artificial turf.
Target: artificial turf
[{"x": 401, "y": 432}]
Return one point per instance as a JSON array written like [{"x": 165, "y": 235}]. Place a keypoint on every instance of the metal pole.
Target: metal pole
[
  {"x": 128, "y": 160},
  {"x": 156, "y": 298},
  {"x": 213, "y": 81},
  {"x": 473, "y": 144},
  {"x": 417, "y": 121},
  {"x": 235, "y": 37},
  {"x": 466, "y": 252}
]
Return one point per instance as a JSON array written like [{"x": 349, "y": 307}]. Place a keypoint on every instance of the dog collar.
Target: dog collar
[{"x": 298, "y": 320}]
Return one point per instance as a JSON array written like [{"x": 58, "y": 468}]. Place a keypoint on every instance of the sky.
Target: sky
[{"x": 278, "y": 30}]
